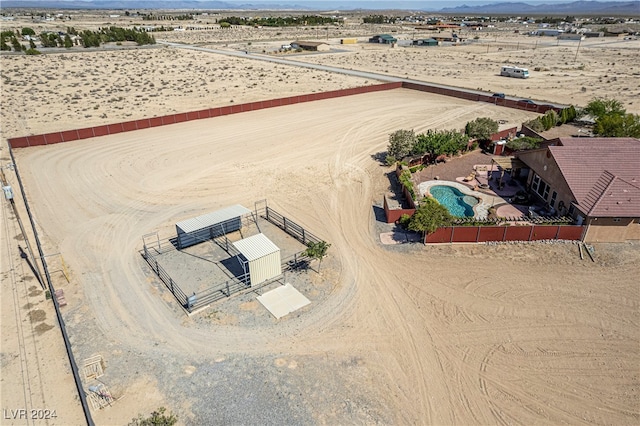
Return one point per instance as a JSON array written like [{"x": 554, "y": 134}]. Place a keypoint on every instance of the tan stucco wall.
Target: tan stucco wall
[
  {"x": 537, "y": 161},
  {"x": 605, "y": 230}
]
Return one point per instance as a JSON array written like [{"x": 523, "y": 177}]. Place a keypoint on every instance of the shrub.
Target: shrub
[
  {"x": 481, "y": 128},
  {"x": 405, "y": 180},
  {"x": 390, "y": 160},
  {"x": 157, "y": 418},
  {"x": 430, "y": 216}
]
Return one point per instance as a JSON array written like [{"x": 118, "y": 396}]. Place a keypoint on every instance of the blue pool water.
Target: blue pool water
[{"x": 456, "y": 202}]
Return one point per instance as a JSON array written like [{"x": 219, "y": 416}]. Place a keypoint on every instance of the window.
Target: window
[
  {"x": 553, "y": 199},
  {"x": 572, "y": 209},
  {"x": 535, "y": 184},
  {"x": 540, "y": 187}
]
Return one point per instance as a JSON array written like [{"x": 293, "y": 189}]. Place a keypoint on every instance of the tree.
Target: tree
[
  {"x": 67, "y": 41},
  {"x": 317, "y": 250},
  {"x": 618, "y": 126},
  {"x": 481, "y": 128},
  {"x": 401, "y": 143},
  {"x": 599, "y": 107},
  {"x": 28, "y": 31},
  {"x": 16, "y": 45},
  {"x": 157, "y": 418},
  {"x": 430, "y": 216}
]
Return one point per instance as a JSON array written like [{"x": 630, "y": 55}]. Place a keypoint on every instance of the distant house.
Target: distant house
[
  {"x": 383, "y": 38},
  {"x": 548, "y": 32},
  {"x": 571, "y": 36},
  {"x": 449, "y": 38},
  {"x": 593, "y": 34},
  {"x": 594, "y": 180},
  {"x": 426, "y": 42},
  {"x": 314, "y": 46}
]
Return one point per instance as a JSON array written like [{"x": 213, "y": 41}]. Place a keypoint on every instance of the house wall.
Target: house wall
[
  {"x": 608, "y": 230},
  {"x": 537, "y": 160}
]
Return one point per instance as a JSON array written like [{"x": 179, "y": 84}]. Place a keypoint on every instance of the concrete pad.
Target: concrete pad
[{"x": 283, "y": 300}]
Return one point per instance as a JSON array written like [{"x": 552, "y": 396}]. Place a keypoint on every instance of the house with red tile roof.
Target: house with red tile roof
[{"x": 594, "y": 180}]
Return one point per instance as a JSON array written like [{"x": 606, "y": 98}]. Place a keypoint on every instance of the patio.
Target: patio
[{"x": 486, "y": 177}]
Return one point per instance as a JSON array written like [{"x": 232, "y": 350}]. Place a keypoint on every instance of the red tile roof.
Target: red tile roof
[{"x": 602, "y": 173}]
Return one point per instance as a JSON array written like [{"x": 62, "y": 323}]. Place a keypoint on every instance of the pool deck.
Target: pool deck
[
  {"x": 477, "y": 166},
  {"x": 481, "y": 209}
]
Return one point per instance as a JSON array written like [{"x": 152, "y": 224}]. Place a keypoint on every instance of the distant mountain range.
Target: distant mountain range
[
  {"x": 573, "y": 8},
  {"x": 630, "y": 8}
]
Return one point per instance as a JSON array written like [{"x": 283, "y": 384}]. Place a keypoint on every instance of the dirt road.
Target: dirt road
[{"x": 411, "y": 334}]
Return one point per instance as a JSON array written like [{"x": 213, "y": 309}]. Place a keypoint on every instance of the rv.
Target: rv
[{"x": 514, "y": 72}]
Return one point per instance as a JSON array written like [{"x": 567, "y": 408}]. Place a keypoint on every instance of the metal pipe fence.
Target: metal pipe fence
[
  {"x": 290, "y": 227},
  {"x": 297, "y": 261}
]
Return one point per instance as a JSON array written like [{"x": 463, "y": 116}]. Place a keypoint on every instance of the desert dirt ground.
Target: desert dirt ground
[
  {"x": 410, "y": 334},
  {"x": 404, "y": 334}
]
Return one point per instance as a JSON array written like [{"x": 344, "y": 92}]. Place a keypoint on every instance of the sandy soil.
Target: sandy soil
[
  {"x": 59, "y": 90},
  {"x": 409, "y": 334}
]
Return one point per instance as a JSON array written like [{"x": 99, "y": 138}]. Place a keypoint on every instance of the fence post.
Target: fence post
[
  {"x": 284, "y": 221},
  {"x": 557, "y": 232},
  {"x": 504, "y": 235},
  {"x": 267, "y": 212},
  {"x": 156, "y": 265},
  {"x": 453, "y": 228},
  {"x": 531, "y": 233},
  {"x": 478, "y": 235},
  {"x": 228, "y": 291},
  {"x": 303, "y": 237},
  {"x": 171, "y": 284}
]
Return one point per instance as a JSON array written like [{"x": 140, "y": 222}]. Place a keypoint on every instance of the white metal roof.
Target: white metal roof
[
  {"x": 209, "y": 219},
  {"x": 255, "y": 247}
]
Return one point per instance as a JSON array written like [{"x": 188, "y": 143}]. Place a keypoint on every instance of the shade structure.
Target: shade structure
[
  {"x": 260, "y": 257},
  {"x": 208, "y": 226}
]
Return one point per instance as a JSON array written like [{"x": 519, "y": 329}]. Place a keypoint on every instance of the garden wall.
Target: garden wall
[
  {"x": 481, "y": 234},
  {"x": 393, "y": 215}
]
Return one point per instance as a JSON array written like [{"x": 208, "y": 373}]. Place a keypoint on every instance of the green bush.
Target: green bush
[
  {"x": 157, "y": 418},
  {"x": 405, "y": 180},
  {"x": 390, "y": 160}
]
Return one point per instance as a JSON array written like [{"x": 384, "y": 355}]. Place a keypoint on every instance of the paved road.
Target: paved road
[{"x": 355, "y": 73}]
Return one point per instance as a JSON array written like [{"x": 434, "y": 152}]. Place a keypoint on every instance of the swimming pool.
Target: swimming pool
[{"x": 456, "y": 202}]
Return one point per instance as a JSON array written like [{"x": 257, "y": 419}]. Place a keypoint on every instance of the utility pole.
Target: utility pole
[
  {"x": 9, "y": 196},
  {"x": 577, "y": 50}
]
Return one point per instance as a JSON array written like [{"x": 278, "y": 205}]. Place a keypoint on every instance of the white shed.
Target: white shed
[
  {"x": 208, "y": 226},
  {"x": 260, "y": 257}
]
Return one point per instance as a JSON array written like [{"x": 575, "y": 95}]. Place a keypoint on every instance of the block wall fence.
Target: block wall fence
[
  {"x": 128, "y": 126},
  {"x": 481, "y": 234}
]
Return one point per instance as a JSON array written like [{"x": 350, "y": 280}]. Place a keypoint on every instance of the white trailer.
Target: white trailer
[{"x": 517, "y": 72}]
